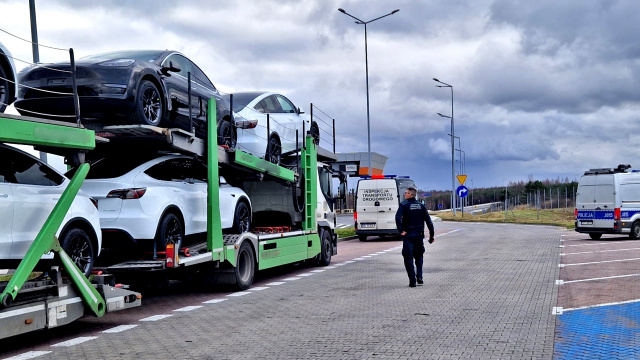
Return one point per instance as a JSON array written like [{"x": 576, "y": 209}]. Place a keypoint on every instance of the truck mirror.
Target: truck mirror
[{"x": 342, "y": 190}]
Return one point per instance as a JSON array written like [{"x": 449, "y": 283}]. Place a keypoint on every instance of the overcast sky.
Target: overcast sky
[{"x": 542, "y": 89}]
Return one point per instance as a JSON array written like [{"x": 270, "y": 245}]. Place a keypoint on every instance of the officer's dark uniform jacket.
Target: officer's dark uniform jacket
[{"x": 411, "y": 217}]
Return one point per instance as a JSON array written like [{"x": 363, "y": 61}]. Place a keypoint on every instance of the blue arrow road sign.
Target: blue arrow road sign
[{"x": 462, "y": 191}]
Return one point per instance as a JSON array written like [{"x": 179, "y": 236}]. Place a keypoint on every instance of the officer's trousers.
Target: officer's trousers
[{"x": 413, "y": 249}]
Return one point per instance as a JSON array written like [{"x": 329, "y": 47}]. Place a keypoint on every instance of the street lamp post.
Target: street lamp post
[
  {"x": 366, "y": 64},
  {"x": 453, "y": 181},
  {"x": 453, "y": 167}
]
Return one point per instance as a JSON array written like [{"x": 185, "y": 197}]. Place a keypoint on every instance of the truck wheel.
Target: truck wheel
[
  {"x": 362, "y": 237},
  {"x": 595, "y": 236},
  {"x": 326, "y": 248},
  {"x": 77, "y": 244},
  {"x": 241, "y": 218},
  {"x": 635, "y": 231},
  {"x": 245, "y": 267},
  {"x": 170, "y": 231}
]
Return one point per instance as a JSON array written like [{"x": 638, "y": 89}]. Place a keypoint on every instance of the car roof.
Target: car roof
[{"x": 143, "y": 55}]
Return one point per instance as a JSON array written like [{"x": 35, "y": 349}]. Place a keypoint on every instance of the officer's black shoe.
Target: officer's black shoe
[
  {"x": 420, "y": 281},
  {"x": 412, "y": 284}
]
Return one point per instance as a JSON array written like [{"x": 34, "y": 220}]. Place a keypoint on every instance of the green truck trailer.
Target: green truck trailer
[{"x": 294, "y": 204}]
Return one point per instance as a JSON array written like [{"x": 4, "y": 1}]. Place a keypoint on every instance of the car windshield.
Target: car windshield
[
  {"x": 140, "y": 55},
  {"x": 240, "y": 100},
  {"x": 113, "y": 166}
]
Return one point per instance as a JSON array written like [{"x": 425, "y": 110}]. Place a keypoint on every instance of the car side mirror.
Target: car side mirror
[
  {"x": 171, "y": 68},
  {"x": 300, "y": 111}
]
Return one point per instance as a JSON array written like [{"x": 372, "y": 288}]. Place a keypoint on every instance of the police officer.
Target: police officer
[{"x": 410, "y": 219}]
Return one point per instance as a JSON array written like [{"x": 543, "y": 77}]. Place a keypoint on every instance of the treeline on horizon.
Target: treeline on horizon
[{"x": 519, "y": 192}]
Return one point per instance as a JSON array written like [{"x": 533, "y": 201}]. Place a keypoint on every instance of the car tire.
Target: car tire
[
  {"x": 245, "y": 267},
  {"x": 326, "y": 248},
  {"x": 315, "y": 132},
  {"x": 148, "y": 108},
  {"x": 77, "y": 244},
  {"x": 362, "y": 237},
  {"x": 227, "y": 134},
  {"x": 170, "y": 230},
  {"x": 635, "y": 231},
  {"x": 274, "y": 150},
  {"x": 6, "y": 88},
  {"x": 595, "y": 236},
  {"x": 241, "y": 218}
]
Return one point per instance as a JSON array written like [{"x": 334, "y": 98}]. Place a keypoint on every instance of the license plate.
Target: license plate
[
  {"x": 368, "y": 226},
  {"x": 586, "y": 222},
  {"x": 55, "y": 82}
]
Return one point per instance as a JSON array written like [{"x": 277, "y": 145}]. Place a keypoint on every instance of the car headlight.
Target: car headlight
[{"x": 117, "y": 63}]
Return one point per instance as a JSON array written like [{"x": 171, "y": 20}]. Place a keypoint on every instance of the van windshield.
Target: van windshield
[{"x": 403, "y": 184}]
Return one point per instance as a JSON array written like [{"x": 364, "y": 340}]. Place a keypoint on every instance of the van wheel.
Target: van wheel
[
  {"x": 595, "y": 236},
  {"x": 362, "y": 237},
  {"x": 635, "y": 231}
]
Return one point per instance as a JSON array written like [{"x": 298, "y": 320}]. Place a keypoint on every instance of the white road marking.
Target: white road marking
[
  {"x": 275, "y": 283},
  {"x": 76, "y": 341},
  {"x": 118, "y": 329},
  {"x": 562, "y": 282},
  {"x": 593, "y": 244},
  {"x": 213, "y": 301},
  {"x": 188, "y": 308},
  {"x": 28, "y": 355},
  {"x": 306, "y": 274},
  {"x": 241, "y": 293},
  {"x": 155, "y": 317},
  {"x": 291, "y": 279},
  {"x": 598, "y": 262},
  {"x": 258, "y": 288},
  {"x": 317, "y": 271},
  {"x": 599, "y": 305}
]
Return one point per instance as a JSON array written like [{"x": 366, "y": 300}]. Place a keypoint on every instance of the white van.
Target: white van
[
  {"x": 608, "y": 202},
  {"x": 377, "y": 200}
]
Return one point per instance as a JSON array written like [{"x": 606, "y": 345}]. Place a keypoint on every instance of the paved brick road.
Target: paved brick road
[{"x": 488, "y": 294}]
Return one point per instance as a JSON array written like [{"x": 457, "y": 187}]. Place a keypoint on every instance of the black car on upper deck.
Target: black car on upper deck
[{"x": 148, "y": 87}]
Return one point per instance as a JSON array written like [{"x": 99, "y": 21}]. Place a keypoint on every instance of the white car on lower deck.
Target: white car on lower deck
[
  {"x": 159, "y": 197},
  {"x": 29, "y": 190}
]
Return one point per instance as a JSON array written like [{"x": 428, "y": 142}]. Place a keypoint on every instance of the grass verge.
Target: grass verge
[{"x": 558, "y": 217}]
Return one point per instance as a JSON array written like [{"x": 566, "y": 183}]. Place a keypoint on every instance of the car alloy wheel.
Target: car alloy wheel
[
  {"x": 77, "y": 244},
  {"x": 148, "y": 109}
]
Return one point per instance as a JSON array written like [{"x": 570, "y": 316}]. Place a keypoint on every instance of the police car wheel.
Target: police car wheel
[
  {"x": 595, "y": 236},
  {"x": 635, "y": 231}
]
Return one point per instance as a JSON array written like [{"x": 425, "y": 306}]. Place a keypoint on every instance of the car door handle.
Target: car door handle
[{"x": 4, "y": 195}]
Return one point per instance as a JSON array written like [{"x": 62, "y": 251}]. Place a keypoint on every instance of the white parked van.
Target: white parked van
[
  {"x": 377, "y": 200},
  {"x": 608, "y": 202}
]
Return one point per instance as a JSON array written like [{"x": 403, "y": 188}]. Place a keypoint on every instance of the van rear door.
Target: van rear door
[
  {"x": 595, "y": 201},
  {"x": 377, "y": 204}
]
